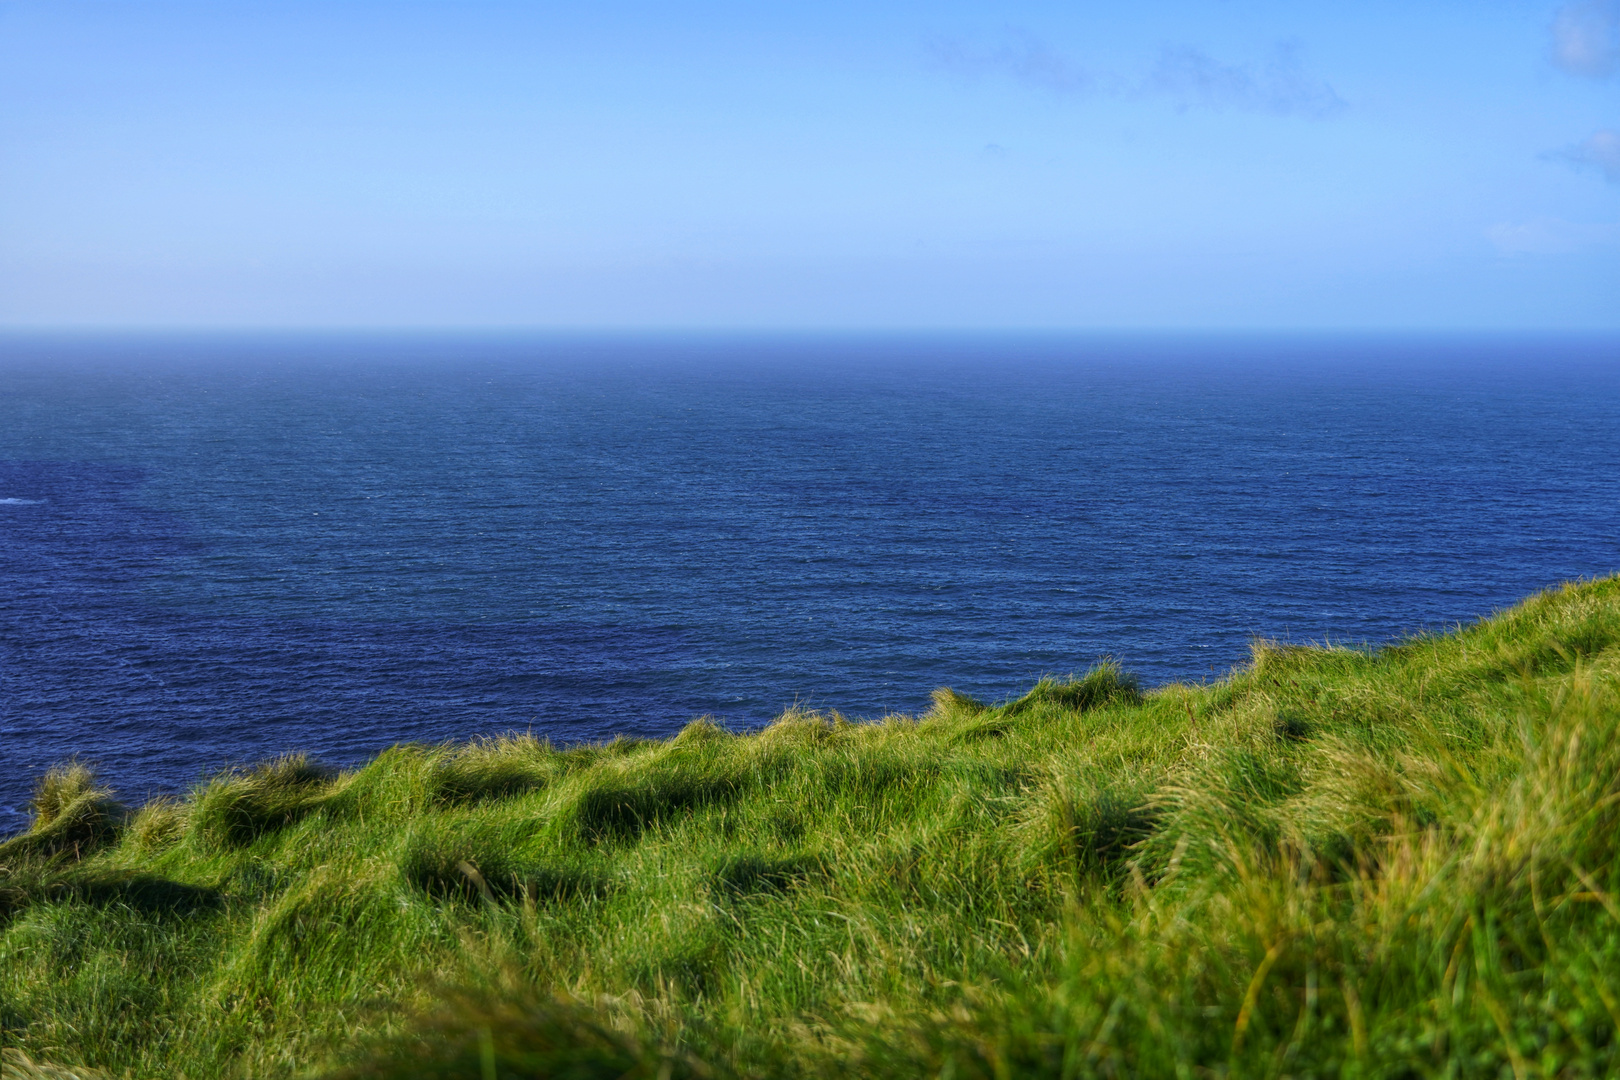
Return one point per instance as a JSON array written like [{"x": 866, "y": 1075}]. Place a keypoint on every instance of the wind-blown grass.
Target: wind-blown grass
[
  {"x": 1333, "y": 863},
  {"x": 72, "y": 815}
]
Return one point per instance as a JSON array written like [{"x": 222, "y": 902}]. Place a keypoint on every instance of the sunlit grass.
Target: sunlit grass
[{"x": 1334, "y": 862}]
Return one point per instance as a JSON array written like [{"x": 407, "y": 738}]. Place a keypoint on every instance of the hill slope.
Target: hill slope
[{"x": 1333, "y": 863}]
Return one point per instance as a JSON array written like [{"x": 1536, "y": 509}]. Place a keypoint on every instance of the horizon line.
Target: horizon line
[{"x": 742, "y": 330}]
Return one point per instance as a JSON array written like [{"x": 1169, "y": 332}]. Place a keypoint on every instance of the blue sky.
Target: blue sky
[{"x": 823, "y": 166}]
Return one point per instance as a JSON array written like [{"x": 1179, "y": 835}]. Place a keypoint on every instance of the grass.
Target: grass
[{"x": 1333, "y": 863}]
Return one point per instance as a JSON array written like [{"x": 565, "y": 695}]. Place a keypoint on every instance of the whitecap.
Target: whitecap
[{"x": 20, "y": 502}]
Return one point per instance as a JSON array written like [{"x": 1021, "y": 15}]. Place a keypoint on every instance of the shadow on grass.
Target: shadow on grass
[
  {"x": 463, "y": 872},
  {"x": 755, "y": 875},
  {"x": 622, "y": 812},
  {"x": 147, "y": 894},
  {"x": 472, "y": 1038}
]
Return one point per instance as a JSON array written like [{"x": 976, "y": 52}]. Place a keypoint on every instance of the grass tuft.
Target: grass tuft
[
  {"x": 950, "y": 705},
  {"x": 1104, "y": 685},
  {"x": 157, "y": 825},
  {"x": 491, "y": 769},
  {"x": 701, "y": 731},
  {"x": 73, "y": 816},
  {"x": 59, "y": 790},
  {"x": 237, "y": 809}
]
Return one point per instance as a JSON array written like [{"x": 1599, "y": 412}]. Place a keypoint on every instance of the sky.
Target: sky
[{"x": 878, "y": 165}]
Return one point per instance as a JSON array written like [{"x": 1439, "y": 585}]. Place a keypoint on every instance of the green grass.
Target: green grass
[{"x": 1333, "y": 863}]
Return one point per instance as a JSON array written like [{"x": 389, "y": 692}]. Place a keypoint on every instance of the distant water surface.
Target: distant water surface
[{"x": 215, "y": 550}]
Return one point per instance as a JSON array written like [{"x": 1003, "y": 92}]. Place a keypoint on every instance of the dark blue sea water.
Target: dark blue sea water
[{"x": 216, "y": 549}]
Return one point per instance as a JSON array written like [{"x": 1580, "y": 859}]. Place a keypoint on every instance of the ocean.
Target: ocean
[{"x": 214, "y": 549}]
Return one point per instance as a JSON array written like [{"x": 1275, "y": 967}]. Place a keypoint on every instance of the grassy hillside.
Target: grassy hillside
[{"x": 1333, "y": 863}]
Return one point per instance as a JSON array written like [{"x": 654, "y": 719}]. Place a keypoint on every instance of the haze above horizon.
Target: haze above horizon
[{"x": 621, "y": 165}]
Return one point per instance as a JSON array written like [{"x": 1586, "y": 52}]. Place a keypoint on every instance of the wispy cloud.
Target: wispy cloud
[
  {"x": 1187, "y": 76},
  {"x": 1277, "y": 85},
  {"x": 1598, "y": 153},
  {"x": 1552, "y": 236},
  {"x": 1022, "y": 57},
  {"x": 1586, "y": 38}
]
